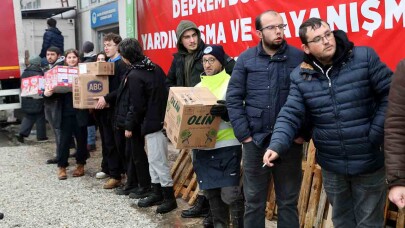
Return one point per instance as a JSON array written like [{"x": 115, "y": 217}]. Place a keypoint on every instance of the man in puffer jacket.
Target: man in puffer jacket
[
  {"x": 33, "y": 108},
  {"x": 52, "y": 37},
  {"x": 344, "y": 89},
  {"x": 394, "y": 138}
]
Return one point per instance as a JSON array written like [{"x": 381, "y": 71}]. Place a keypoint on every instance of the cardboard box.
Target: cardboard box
[
  {"x": 87, "y": 87},
  {"x": 60, "y": 78},
  {"x": 188, "y": 121},
  {"x": 33, "y": 86},
  {"x": 97, "y": 68}
]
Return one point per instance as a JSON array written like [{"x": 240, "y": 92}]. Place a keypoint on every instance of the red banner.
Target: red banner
[{"x": 231, "y": 23}]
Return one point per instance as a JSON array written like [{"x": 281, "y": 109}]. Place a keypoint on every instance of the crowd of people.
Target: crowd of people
[{"x": 270, "y": 101}]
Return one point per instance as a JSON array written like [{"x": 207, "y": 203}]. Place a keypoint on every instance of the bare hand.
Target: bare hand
[
  {"x": 269, "y": 157},
  {"x": 48, "y": 91},
  {"x": 248, "y": 140},
  {"x": 128, "y": 134},
  {"x": 299, "y": 140},
  {"x": 101, "y": 103},
  {"x": 397, "y": 196}
]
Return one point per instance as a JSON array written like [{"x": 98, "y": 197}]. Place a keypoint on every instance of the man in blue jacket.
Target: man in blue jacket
[
  {"x": 256, "y": 92},
  {"x": 52, "y": 37},
  {"x": 344, "y": 90}
]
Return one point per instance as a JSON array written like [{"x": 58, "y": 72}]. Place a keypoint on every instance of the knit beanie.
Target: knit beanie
[
  {"x": 183, "y": 26},
  {"x": 217, "y": 51},
  {"x": 88, "y": 47},
  {"x": 35, "y": 60}
]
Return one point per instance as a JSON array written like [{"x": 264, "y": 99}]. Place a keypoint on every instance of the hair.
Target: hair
[
  {"x": 54, "y": 49},
  {"x": 102, "y": 53},
  {"x": 131, "y": 49},
  {"x": 258, "y": 20},
  {"x": 313, "y": 23},
  {"x": 51, "y": 22},
  {"x": 114, "y": 37}
]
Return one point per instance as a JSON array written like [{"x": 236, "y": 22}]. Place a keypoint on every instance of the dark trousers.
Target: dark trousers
[
  {"x": 104, "y": 161},
  {"x": 115, "y": 168},
  {"x": 28, "y": 122},
  {"x": 124, "y": 149},
  {"x": 138, "y": 159},
  {"x": 287, "y": 174},
  {"x": 69, "y": 128}
]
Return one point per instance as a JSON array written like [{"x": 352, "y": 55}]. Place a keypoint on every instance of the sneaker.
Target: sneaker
[
  {"x": 112, "y": 183},
  {"x": 46, "y": 139},
  {"x": 52, "y": 161},
  {"x": 20, "y": 138},
  {"x": 101, "y": 175}
]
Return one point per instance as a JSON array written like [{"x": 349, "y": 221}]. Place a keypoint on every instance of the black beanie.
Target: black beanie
[
  {"x": 88, "y": 47},
  {"x": 217, "y": 51}
]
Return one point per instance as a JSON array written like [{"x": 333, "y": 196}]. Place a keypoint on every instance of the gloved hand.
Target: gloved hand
[{"x": 220, "y": 110}]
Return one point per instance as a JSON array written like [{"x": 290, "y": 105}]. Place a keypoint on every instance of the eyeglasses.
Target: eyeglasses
[
  {"x": 209, "y": 61},
  {"x": 273, "y": 27},
  {"x": 109, "y": 45},
  {"x": 327, "y": 35}
]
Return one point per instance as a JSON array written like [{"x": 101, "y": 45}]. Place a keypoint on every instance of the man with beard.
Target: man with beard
[
  {"x": 344, "y": 90},
  {"x": 256, "y": 92}
]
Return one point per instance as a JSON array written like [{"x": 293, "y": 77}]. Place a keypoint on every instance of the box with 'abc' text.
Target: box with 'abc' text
[
  {"x": 97, "y": 68},
  {"x": 188, "y": 121},
  {"x": 86, "y": 89}
]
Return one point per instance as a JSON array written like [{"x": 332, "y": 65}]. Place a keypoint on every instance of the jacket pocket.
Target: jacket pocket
[{"x": 255, "y": 118}]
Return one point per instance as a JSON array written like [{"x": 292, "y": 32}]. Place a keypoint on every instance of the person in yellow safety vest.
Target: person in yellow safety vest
[{"x": 218, "y": 169}]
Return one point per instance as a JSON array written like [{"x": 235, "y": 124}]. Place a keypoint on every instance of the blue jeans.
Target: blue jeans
[
  {"x": 357, "y": 201},
  {"x": 287, "y": 174},
  {"x": 91, "y": 135}
]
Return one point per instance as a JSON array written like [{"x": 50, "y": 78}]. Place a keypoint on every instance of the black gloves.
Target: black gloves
[{"x": 220, "y": 110}]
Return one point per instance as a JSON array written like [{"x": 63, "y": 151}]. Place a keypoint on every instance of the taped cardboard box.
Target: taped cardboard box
[
  {"x": 86, "y": 88},
  {"x": 188, "y": 121},
  {"x": 97, "y": 68},
  {"x": 33, "y": 86},
  {"x": 60, "y": 78}
]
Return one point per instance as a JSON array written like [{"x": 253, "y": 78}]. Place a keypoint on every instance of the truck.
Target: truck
[{"x": 11, "y": 60}]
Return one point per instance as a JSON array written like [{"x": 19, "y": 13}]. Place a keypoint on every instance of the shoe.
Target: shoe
[
  {"x": 140, "y": 193},
  {"x": 20, "y": 138},
  {"x": 79, "y": 171},
  {"x": 155, "y": 198},
  {"x": 52, "y": 161},
  {"x": 62, "y": 173},
  {"x": 46, "y": 139},
  {"x": 126, "y": 190},
  {"x": 91, "y": 148},
  {"x": 72, "y": 155},
  {"x": 169, "y": 201},
  {"x": 101, "y": 175},
  {"x": 112, "y": 183},
  {"x": 1, "y": 216},
  {"x": 208, "y": 222},
  {"x": 201, "y": 208}
]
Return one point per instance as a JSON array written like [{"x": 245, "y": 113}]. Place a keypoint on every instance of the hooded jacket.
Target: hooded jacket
[
  {"x": 176, "y": 76},
  {"x": 346, "y": 104},
  {"x": 52, "y": 37},
  {"x": 394, "y": 144}
]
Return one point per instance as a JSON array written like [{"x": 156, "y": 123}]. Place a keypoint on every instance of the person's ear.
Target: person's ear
[{"x": 305, "y": 48}]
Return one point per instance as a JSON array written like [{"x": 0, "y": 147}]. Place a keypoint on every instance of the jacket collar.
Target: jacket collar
[{"x": 278, "y": 56}]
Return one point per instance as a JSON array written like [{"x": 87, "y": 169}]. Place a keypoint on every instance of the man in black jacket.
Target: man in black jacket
[
  {"x": 114, "y": 160},
  {"x": 33, "y": 108},
  {"x": 52, "y": 37}
]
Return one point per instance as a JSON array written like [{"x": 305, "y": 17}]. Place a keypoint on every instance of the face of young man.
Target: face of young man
[
  {"x": 211, "y": 65},
  {"x": 110, "y": 49},
  {"x": 189, "y": 39},
  {"x": 51, "y": 57},
  {"x": 272, "y": 35},
  {"x": 321, "y": 43}
]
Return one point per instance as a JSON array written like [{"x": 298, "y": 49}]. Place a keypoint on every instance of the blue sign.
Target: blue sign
[{"x": 104, "y": 15}]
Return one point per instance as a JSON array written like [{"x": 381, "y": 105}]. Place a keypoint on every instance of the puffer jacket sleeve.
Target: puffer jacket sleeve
[
  {"x": 394, "y": 144},
  {"x": 235, "y": 97},
  {"x": 380, "y": 78},
  {"x": 45, "y": 44},
  {"x": 289, "y": 120}
]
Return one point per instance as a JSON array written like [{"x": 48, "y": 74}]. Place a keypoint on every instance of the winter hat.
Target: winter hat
[
  {"x": 217, "y": 51},
  {"x": 88, "y": 47},
  {"x": 35, "y": 60},
  {"x": 185, "y": 25}
]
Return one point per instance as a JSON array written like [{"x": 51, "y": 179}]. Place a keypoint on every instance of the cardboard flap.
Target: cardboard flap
[{"x": 194, "y": 95}]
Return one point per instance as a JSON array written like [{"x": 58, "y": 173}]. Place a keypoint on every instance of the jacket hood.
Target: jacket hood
[
  {"x": 54, "y": 30},
  {"x": 33, "y": 68},
  {"x": 144, "y": 64},
  {"x": 343, "y": 50},
  {"x": 183, "y": 26}
]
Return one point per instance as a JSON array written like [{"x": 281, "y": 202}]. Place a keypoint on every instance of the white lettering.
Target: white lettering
[
  {"x": 335, "y": 18},
  {"x": 371, "y": 15},
  {"x": 394, "y": 10}
]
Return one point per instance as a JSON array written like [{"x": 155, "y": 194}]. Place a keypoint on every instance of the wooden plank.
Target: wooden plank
[
  {"x": 194, "y": 196},
  {"x": 321, "y": 209},
  {"x": 191, "y": 186},
  {"x": 306, "y": 183},
  {"x": 387, "y": 203},
  {"x": 314, "y": 199},
  {"x": 271, "y": 201},
  {"x": 187, "y": 173},
  {"x": 401, "y": 218},
  {"x": 178, "y": 161},
  {"x": 328, "y": 222}
]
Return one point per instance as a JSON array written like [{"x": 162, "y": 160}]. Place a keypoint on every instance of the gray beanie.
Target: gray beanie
[
  {"x": 88, "y": 47},
  {"x": 183, "y": 26},
  {"x": 35, "y": 60}
]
